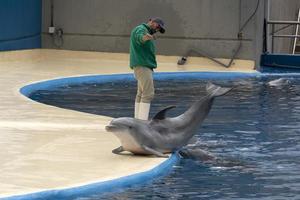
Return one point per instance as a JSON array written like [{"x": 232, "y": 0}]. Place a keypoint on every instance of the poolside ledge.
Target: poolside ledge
[{"x": 45, "y": 148}]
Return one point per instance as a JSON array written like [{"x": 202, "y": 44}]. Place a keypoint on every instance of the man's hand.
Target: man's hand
[{"x": 147, "y": 37}]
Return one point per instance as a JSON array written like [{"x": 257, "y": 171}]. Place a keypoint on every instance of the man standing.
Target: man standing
[{"x": 143, "y": 61}]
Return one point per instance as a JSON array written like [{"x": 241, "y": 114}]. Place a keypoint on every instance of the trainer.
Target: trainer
[{"x": 143, "y": 61}]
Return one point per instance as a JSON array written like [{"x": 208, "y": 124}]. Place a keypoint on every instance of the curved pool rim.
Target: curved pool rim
[
  {"x": 102, "y": 186},
  {"x": 48, "y": 84},
  {"x": 126, "y": 181}
]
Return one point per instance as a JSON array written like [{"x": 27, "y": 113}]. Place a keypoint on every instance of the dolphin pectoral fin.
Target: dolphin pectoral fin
[
  {"x": 154, "y": 152},
  {"x": 161, "y": 114},
  {"x": 118, "y": 150}
]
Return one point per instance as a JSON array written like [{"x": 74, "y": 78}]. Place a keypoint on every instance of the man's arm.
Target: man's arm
[
  {"x": 142, "y": 36},
  {"x": 147, "y": 37}
]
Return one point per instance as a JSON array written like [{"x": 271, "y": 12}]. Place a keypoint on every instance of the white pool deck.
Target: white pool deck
[{"x": 45, "y": 147}]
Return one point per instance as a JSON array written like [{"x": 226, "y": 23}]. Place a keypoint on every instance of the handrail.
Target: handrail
[
  {"x": 276, "y": 22},
  {"x": 283, "y": 22},
  {"x": 296, "y": 33},
  {"x": 287, "y": 36}
]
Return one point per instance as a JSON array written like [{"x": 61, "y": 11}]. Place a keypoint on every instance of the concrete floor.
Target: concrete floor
[{"x": 44, "y": 147}]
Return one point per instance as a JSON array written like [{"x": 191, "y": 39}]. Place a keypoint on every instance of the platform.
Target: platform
[{"x": 48, "y": 148}]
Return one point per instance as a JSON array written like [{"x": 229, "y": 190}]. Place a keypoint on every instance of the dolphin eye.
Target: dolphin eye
[{"x": 130, "y": 127}]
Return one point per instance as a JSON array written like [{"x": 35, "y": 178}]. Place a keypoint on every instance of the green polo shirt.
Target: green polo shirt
[{"x": 141, "y": 53}]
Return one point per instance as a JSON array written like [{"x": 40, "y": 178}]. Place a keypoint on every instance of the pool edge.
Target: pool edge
[
  {"x": 27, "y": 89},
  {"x": 122, "y": 182},
  {"x": 101, "y": 187}
]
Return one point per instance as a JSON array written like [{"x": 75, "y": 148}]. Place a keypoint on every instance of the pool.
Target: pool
[{"x": 255, "y": 126}]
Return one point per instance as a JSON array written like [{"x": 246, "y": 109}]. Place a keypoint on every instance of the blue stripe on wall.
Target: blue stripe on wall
[{"x": 20, "y": 22}]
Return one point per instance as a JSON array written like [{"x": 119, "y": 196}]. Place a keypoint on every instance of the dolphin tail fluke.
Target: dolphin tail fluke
[{"x": 216, "y": 90}]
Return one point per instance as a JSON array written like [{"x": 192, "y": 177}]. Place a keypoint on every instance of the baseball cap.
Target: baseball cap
[{"x": 161, "y": 24}]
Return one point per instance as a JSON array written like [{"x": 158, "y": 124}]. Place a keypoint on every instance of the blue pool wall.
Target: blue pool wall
[
  {"x": 48, "y": 84},
  {"x": 20, "y": 22},
  {"x": 124, "y": 182},
  {"x": 280, "y": 63}
]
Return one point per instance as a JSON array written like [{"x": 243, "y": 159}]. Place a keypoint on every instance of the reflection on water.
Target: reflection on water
[{"x": 256, "y": 124}]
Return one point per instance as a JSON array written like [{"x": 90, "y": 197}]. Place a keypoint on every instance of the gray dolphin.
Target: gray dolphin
[
  {"x": 206, "y": 157},
  {"x": 279, "y": 82},
  {"x": 196, "y": 154},
  {"x": 162, "y": 135}
]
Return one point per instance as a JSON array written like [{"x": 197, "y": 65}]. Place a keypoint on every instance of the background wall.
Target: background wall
[
  {"x": 20, "y": 22},
  {"x": 105, "y": 25},
  {"x": 207, "y": 25}
]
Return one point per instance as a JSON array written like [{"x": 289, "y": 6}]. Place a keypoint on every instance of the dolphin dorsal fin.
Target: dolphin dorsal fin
[{"x": 161, "y": 114}]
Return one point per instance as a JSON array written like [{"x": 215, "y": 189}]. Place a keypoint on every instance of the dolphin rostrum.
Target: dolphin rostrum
[{"x": 163, "y": 135}]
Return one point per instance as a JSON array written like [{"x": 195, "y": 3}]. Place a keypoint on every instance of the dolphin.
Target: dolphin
[
  {"x": 161, "y": 135},
  {"x": 279, "y": 82},
  {"x": 206, "y": 157},
  {"x": 196, "y": 154}
]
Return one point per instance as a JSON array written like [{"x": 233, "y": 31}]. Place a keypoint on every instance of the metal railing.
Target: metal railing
[
  {"x": 272, "y": 23},
  {"x": 296, "y": 33}
]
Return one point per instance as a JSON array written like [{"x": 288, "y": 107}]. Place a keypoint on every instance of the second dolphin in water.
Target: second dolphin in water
[
  {"x": 163, "y": 135},
  {"x": 279, "y": 82}
]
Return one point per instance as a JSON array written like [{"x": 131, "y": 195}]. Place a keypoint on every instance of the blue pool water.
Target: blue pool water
[{"x": 255, "y": 127}]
